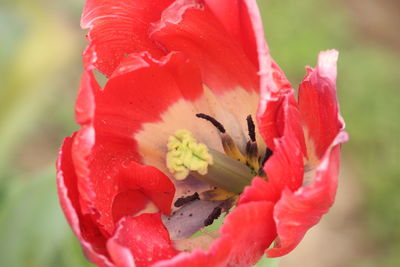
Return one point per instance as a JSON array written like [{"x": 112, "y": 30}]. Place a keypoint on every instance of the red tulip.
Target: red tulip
[{"x": 170, "y": 144}]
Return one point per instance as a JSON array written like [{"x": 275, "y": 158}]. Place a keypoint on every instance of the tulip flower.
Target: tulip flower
[{"x": 196, "y": 122}]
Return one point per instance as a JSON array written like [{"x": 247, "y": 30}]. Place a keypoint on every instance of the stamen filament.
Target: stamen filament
[
  {"x": 217, "y": 194},
  {"x": 226, "y": 173},
  {"x": 228, "y": 144}
]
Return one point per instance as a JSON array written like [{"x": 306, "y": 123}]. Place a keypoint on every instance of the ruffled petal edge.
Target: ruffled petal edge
[{"x": 296, "y": 212}]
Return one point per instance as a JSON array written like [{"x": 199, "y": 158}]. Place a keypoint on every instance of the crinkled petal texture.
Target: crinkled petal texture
[
  {"x": 298, "y": 211},
  {"x": 300, "y": 203},
  {"x": 165, "y": 61},
  {"x": 222, "y": 59},
  {"x": 83, "y": 226},
  {"x": 144, "y": 236},
  {"x": 120, "y": 27},
  {"x": 93, "y": 235}
]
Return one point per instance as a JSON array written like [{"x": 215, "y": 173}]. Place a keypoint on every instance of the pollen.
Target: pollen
[{"x": 185, "y": 154}]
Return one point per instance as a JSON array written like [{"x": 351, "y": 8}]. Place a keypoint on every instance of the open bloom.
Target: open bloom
[{"x": 195, "y": 122}]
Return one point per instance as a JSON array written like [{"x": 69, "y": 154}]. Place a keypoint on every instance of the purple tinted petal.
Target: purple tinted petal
[{"x": 189, "y": 219}]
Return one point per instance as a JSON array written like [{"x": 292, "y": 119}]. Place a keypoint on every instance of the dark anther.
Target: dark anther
[
  {"x": 213, "y": 216},
  {"x": 214, "y": 122},
  {"x": 251, "y": 149},
  {"x": 268, "y": 154},
  {"x": 183, "y": 200},
  {"x": 252, "y": 128}
]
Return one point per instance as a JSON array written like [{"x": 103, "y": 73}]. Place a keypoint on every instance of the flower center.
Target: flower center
[
  {"x": 185, "y": 154},
  {"x": 230, "y": 172}
]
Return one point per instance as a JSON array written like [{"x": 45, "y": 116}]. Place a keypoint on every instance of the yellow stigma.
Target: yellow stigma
[{"x": 185, "y": 154}]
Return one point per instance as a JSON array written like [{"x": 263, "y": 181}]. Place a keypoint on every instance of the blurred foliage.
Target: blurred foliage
[
  {"x": 40, "y": 47},
  {"x": 40, "y": 68},
  {"x": 33, "y": 229}
]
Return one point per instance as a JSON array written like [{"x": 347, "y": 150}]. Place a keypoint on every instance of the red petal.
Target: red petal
[
  {"x": 92, "y": 241},
  {"x": 88, "y": 232},
  {"x": 84, "y": 105},
  {"x": 190, "y": 27},
  {"x": 235, "y": 17},
  {"x": 285, "y": 168},
  {"x": 111, "y": 175},
  {"x": 281, "y": 110},
  {"x": 120, "y": 27},
  {"x": 152, "y": 182},
  {"x": 128, "y": 202},
  {"x": 243, "y": 21},
  {"x": 146, "y": 239},
  {"x": 143, "y": 88},
  {"x": 248, "y": 245},
  {"x": 296, "y": 212},
  {"x": 259, "y": 190},
  {"x": 318, "y": 103},
  {"x": 237, "y": 245},
  {"x": 273, "y": 82},
  {"x": 140, "y": 90}
]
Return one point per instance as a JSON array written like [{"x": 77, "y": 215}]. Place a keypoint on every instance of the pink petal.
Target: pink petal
[
  {"x": 318, "y": 103},
  {"x": 121, "y": 255},
  {"x": 145, "y": 237},
  {"x": 120, "y": 27},
  {"x": 296, "y": 212}
]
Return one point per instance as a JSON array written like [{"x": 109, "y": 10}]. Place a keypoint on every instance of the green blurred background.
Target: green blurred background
[{"x": 40, "y": 67}]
